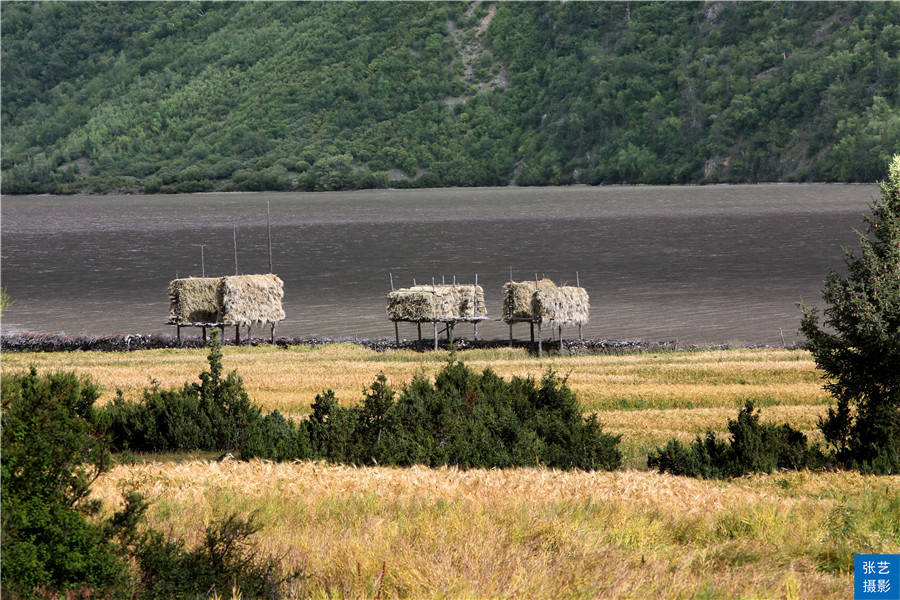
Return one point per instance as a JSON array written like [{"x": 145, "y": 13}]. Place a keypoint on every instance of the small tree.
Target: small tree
[{"x": 859, "y": 350}]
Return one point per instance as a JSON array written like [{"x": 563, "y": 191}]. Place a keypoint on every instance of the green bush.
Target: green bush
[
  {"x": 50, "y": 535},
  {"x": 462, "y": 419},
  {"x": 55, "y": 542},
  {"x": 215, "y": 414},
  {"x": 223, "y": 562},
  {"x": 755, "y": 448}
]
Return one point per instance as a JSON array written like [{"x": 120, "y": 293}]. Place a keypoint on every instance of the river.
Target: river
[{"x": 697, "y": 264}]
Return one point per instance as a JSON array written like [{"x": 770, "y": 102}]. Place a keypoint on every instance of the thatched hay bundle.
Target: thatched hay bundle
[
  {"x": 517, "y": 297},
  {"x": 436, "y": 302},
  {"x": 248, "y": 299},
  {"x": 193, "y": 300},
  {"x": 471, "y": 301},
  {"x": 566, "y": 305}
]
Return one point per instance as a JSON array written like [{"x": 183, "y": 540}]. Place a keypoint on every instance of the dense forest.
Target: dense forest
[{"x": 199, "y": 96}]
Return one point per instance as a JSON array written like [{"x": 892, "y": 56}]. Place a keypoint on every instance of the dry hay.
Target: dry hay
[
  {"x": 248, "y": 299},
  {"x": 193, "y": 300},
  {"x": 436, "y": 303},
  {"x": 566, "y": 305},
  {"x": 517, "y": 296}
]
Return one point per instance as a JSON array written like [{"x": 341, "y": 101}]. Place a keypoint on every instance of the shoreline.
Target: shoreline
[{"x": 49, "y": 342}]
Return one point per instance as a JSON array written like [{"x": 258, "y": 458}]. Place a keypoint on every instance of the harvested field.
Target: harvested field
[{"x": 535, "y": 533}]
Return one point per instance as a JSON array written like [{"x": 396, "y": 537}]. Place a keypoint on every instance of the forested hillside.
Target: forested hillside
[{"x": 180, "y": 97}]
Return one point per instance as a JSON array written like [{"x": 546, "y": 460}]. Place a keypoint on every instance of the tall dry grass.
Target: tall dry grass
[{"x": 534, "y": 533}]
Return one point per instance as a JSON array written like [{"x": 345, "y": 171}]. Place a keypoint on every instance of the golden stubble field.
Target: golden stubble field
[
  {"x": 522, "y": 533},
  {"x": 648, "y": 398}
]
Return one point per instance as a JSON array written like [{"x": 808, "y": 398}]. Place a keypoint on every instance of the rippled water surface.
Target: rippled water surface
[{"x": 716, "y": 264}]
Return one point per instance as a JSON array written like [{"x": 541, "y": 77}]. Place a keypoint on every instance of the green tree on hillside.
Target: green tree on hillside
[{"x": 859, "y": 348}]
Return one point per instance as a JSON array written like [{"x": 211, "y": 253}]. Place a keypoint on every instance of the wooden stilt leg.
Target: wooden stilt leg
[
  {"x": 560, "y": 339},
  {"x": 510, "y": 335},
  {"x": 419, "y": 328},
  {"x": 532, "y": 332},
  {"x": 581, "y": 332},
  {"x": 397, "y": 332},
  {"x": 435, "y": 336},
  {"x": 204, "y": 336},
  {"x": 540, "y": 342},
  {"x": 272, "y": 334},
  {"x": 476, "y": 331},
  {"x": 237, "y": 335},
  {"x": 178, "y": 334}
]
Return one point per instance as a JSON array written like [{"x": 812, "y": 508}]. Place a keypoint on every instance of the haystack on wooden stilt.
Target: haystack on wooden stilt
[
  {"x": 437, "y": 303},
  {"x": 541, "y": 303},
  {"x": 193, "y": 300},
  {"x": 238, "y": 300}
]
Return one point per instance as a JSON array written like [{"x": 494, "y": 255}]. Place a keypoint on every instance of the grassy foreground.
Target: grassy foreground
[
  {"x": 648, "y": 398},
  {"x": 382, "y": 532}
]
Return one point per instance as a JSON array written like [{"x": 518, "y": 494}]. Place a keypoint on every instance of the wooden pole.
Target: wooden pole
[
  {"x": 272, "y": 334},
  {"x": 510, "y": 334},
  {"x": 450, "y": 333},
  {"x": 249, "y": 336},
  {"x": 475, "y": 305},
  {"x": 222, "y": 334},
  {"x": 532, "y": 332},
  {"x": 580, "y": 332},
  {"x": 269, "y": 232},
  {"x": 397, "y": 332},
  {"x": 178, "y": 334},
  {"x": 419, "y": 327},
  {"x": 237, "y": 335},
  {"x": 234, "y": 233},
  {"x": 204, "y": 335},
  {"x": 540, "y": 347},
  {"x": 560, "y": 339},
  {"x": 435, "y": 336},
  {"x": 391, "y": 275}
]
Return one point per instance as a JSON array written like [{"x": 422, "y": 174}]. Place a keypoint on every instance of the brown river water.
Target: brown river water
[{"x": 709, "y": 264}]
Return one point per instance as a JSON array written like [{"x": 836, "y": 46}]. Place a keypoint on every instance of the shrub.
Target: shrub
[
  {"x": 225, "y": 561},
  {"x": 755, "y": 448},
  {"x": 462, "y": 419},
  {"x": 51, "y": 455},
  {"x": 215, "y": 414},
  {"x": 54, "y": 541}
]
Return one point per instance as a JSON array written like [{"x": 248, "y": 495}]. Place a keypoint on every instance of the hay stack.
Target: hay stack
[
  {"x": 517, "y": 296},
  {"x": 248, "y": 299},
  {"x": 193, "y": 300},
  {"x": 471, "y": 301},
  {"x": 436, "y": 303},
  {"x": 566, "y": 305}
]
